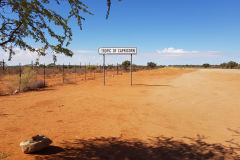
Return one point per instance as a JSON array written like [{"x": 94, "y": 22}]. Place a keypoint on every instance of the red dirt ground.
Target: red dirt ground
[{"x": 169, "y": 102}]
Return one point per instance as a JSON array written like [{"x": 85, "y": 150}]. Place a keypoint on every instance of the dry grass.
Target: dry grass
[
  {"x": 32, "y": 79},
  {"x": 36, "y": 85},
  {"x": 28, "y": 81}
]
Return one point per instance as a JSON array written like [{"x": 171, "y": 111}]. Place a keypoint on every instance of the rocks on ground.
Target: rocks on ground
[{"x": 36, "y": 143}]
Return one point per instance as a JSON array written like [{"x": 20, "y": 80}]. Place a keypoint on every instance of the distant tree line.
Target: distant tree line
[
  {"x": 228, "y": 65},
  {"x": 125, "y": 65}
]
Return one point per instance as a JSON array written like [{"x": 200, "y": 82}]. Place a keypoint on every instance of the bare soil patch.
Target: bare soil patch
[{"x": 165, "y": 102}]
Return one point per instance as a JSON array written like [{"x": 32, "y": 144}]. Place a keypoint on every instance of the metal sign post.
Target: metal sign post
[
  {"x": 131, "y": 69},
  {"x": 104, "y": 69},
  {"x": 117, "y": 51}
]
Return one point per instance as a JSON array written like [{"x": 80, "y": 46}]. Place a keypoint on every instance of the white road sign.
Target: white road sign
[{"x": 118, "y": 50}]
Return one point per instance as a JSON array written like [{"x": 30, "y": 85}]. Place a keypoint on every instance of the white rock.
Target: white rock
[
  {"x": 16, "y": 91},
  {"x": 34, "y": 144}
]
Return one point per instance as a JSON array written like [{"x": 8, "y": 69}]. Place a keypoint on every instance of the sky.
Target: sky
[{"x": 167, "y": 32}]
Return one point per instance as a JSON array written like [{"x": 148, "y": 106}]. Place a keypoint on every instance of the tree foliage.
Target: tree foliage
[
  {"x": 21, "y": 20},
  {"x": 206, "y": 65},
  {"x": 91, "y": 67},
  {"x": 230, "y": 65},
  {"x": 126, "y": 64},
  {"x": 151, "y": 64},
  {"x": 223, "y": 65}
]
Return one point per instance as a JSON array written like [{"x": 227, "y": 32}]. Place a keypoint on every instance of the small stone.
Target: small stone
[
  {"x": 16, "y": 91},
  {"x": 36, "y": 143}
]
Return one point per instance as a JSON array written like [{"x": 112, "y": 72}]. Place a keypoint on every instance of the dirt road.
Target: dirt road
[{"x": 169, "y": 102}]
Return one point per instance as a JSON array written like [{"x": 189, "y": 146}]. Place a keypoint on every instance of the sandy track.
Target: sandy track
[{"x": 169, "y": 102}]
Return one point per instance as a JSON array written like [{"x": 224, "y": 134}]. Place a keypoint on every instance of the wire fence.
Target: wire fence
[{"x": 14, "y": 79}]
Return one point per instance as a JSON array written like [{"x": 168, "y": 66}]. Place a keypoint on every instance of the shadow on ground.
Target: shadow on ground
[
  {"x": 50, "y": 150},
  {"x": 160, "y": 148},
  {"x": 152, "y": 85}
]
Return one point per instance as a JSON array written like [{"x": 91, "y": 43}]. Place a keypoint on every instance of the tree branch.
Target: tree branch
[
  {"x": 11, "y": 36},
  {"x": 3, "y": 3}
]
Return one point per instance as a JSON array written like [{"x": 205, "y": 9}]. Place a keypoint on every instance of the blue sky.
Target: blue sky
[{"x": 165, "y": 32}]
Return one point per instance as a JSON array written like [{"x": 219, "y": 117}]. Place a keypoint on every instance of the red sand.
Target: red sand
[{"x": 169, "y": 102}]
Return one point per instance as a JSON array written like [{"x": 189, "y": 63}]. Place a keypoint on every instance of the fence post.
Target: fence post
[
  {"x": 85, "y": 71},
  {"x": 63, "y": 73},
  {"x": 75, "y": 73},
  {"x": 36, "y": 69},
  {"x": 44, "y": 75},
  {"x": 20, "y": 76},
  {"x": 32, "y": 64},
  {"x": 80, "y": 67},
  {"x": 117, "y": 68},
  {"x": 3, "y": 65}
]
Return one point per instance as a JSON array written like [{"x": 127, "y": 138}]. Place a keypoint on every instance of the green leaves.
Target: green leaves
[{"x": 36, "y": 20}]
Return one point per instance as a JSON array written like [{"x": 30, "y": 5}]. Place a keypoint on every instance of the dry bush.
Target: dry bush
[
  {"x": 91, "y": 67},
  {"x": 28, "y": 76},
  {"x": 35, "y": 85},
  {"x": 28, "y": 81}
]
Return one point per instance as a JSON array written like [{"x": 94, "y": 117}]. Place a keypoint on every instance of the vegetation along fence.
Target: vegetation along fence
[{"x": 14, "y": 79}]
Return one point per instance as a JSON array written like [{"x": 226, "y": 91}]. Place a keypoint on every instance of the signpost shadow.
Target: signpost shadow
[{"x": 152, "y": 85}]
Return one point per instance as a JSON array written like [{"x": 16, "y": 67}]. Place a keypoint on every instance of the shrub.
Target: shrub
[
  {"x": 28, "y": 81},
  {"x": 223, "y": 65},
  {"x": 161, "y": 66},
  {"x": 232, "y": 64},
  {"x": 134, "y": 67},
  {"x": 28, "y": 76},
  {"x": 206, "y": 65},
  {"x": 91, "y": 67},
  {"x": 110, "y": 66},
  {"x": 51, "y": 65},
  {"x": 35, "y": 85},
  {"x": 126, "y": 64},
  {"x": 151, "y": 64}
]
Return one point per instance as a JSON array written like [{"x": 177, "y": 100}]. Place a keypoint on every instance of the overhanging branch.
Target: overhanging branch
[{"x": 11, "y": 36}]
